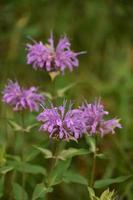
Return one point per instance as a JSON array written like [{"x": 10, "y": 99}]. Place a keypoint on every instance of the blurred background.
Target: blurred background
[{"x": 103, "y": 28}]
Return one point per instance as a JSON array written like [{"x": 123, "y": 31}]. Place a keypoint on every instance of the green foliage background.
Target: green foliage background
[{"x": 104, "y": 28}]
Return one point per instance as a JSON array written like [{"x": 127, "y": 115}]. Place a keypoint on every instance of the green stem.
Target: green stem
[
  {"x": 93, "y": 169},
  {"x": 22, "y": 153},
  {"x": 93, "y": 164},
  {"x": 8, "y": 177}
]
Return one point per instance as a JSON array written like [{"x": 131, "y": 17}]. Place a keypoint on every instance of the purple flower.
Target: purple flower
[
  {"x": 94, "y": 119},
  {"x": 20, "y": 98},
  {"x": 62, "y": 124},
  {"x": 51, "y": 58}
]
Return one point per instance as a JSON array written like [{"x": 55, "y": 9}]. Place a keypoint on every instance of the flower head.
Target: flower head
[
  {"x": 19, "y": 98},
  {"x": 51, "y": 58},
  {"x": 94, "y": 119},
  {"x": 61, "y": 123}
]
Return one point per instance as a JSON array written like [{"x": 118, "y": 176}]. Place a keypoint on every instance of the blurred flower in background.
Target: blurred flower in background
[{"x": 19, "y": 98}]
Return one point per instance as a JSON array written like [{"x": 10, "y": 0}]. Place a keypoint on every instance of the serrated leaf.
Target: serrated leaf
[
  {"x": 18, "y": 191},
  {"x": 56, "y": 175},
  {"x": 40, "y": 191},
  {"x": 106, "y": 182},
  {"x": 47, "y": 153},
  {"x": 71, "y": 152},
  {"x": 71, "y": 176}
]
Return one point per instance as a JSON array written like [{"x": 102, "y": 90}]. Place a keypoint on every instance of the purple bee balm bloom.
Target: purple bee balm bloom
[
  {"x": 51, "y": 58},
  {"x": 94, "y": 119},
  {"x": 20, "y": 98},
  {"x": 61, "y": 124}
]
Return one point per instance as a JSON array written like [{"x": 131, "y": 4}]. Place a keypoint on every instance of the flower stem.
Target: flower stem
[
  {"x": 22, "y": 153},
  {"x": 93, "y": 164},
  {"x": 93, "y": 169}
]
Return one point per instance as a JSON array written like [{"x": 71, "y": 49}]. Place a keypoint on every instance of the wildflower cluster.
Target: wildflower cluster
[
  {"x": 62, "y": 122},
  {"x": 72, "y": 124},
  {"x": 59, "y": 122},
  {"x": 50, "y": 58}
]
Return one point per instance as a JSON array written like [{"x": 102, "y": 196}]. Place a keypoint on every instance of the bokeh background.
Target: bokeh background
[{"x": 103, "y": 28}]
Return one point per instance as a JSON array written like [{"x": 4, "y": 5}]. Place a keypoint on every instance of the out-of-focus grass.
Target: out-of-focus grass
[{"x": 105, "y": 30}]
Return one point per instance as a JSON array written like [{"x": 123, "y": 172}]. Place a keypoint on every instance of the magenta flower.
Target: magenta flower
[
  {"x": 50, "y": 58},
  {"x": 94, "y": 119},
  {"x": 62, "y": 124},
  {"x": 19, "y": 98}
]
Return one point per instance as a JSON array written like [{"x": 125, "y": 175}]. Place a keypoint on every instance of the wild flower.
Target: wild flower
[
  {"x": 50, "y": 58},
  {"x": 94, "y": 117},
  {"x": 62, "y": 124},
  {"x": 19, "y": 98}
]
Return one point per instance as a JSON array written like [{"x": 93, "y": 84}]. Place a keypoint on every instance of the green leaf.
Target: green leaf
[
  {"x": 73, "y": 177},
  {"x": 107, "y": 195},
  {"x": 5, "y": 169},
  {"x": 58, "y": 172},
  {"x": 69, "y": 153},
  {"x": 106, "y": 182},
  {"x": 27, "y": 167},
  {"x": 31, "y": 154},
  {"x": 47, "y": 94},
  {"x": 18, "y": 191},
  {"x": 30, "y": 168},
  {"x": 15, "y": 126},
  {"x": 40, "y": 191},
  {"x": 101, "y": 156},
  {"x": 28, "y": 128},
  {"x": 92, "y": 194},
  {"x": 47, "y": 153},
  {"x": 13, "y": 157},
  {"x": 62, "y": 91},
  {"x": 2, "y": 155}
]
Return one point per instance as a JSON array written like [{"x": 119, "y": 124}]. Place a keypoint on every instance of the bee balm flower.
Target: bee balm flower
[
  {"x": 50, "y": 58},
  {"x": 94, "y": 119},
  {"x": 19, "y": 98},
  {"x": 61, "y": 124}
]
